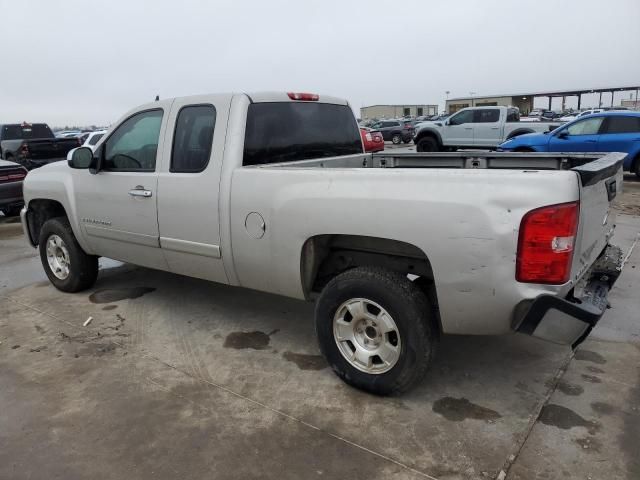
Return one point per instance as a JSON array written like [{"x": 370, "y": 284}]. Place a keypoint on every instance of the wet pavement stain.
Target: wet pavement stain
[
  {"x": 110, "y": 307},
  {"x": 603, "y": 408},
  {"x": 255, "y": 340},
  {"x": 567, "y": 388},
  {"x": 116, "y": 294},
  {"x": 306, "y": 362},
  {"x": 589, "y": 444},
  {"x": 595, "y": 369},
  {"x": 565, "y": 418},
  {"x": 39, "y": 329},
  {"x": 590, "y": 356},
  {"x": 591, "y": 378},
  {"x": 459, "y": 409}
]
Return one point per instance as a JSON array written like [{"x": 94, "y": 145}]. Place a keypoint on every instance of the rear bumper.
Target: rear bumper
[
  {"x": 569, "y": 321},
  {"x": 11, "y": 194}
]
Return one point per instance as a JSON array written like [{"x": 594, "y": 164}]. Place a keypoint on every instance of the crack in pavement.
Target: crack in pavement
[{"x": 239, "y": 395}]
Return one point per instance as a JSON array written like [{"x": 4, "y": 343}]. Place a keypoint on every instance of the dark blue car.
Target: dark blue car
[{"x": 600, "y": 132}]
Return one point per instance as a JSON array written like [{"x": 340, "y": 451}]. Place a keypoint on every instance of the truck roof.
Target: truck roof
[{"x": 256, "y": 97}]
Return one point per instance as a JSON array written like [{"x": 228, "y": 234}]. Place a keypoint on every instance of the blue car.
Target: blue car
[{"x": 600, "y": 132}]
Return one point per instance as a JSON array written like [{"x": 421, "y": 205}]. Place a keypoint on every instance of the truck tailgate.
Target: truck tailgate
[
  {"x": 40, "y": 149},
  {"x": 600, "y": 181}
]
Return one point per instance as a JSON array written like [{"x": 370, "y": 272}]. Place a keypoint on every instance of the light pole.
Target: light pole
[
  {"x": 472, "y": 94},
  {"x": 446, "y": 107}
]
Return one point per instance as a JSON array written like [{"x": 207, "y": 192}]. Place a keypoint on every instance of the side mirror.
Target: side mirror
[
  {"x": 563, "y": 134},
  {"x": 447, "y": 122},
  {"x": 81, "y": 158}
]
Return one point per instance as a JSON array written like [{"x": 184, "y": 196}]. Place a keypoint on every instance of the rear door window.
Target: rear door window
[
  {"x": 94, "y": 139},
  {"x": 290, "y": 131},
  {"x": 488, "y": 115},
  {"x": 623, "y": 124},
  {"x": 192, "y": 138}
]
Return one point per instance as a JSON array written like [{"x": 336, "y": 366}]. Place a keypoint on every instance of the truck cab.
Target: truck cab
[{"x": 474, "y": 127}]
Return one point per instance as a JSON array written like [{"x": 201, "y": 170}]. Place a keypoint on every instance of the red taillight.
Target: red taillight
[
  {"x": 309, "y": 97},
  {"x": 12, "y": 176},
  {"x": 368, "y": 137},
  {"x": 545, "y": 244}
]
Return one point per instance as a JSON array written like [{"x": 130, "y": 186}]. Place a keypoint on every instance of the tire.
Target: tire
[
  {"x": 396, "y": 139},
  {"x": 11, "y": 211},
  {"x": 637, "y": 167},
  {"x": 81, "y": 269},
  {"x": 409, "y": 341},
  {"x": 427, "y": 144},
  {"x": 406, "y": 140}
]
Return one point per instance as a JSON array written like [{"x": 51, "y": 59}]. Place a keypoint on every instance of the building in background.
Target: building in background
[
  {"x": 397, "y": 111},
  {"x": 524, "y": 101}
]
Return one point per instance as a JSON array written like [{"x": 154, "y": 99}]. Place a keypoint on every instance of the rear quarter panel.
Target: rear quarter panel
[{"x": 465, "y": 221}]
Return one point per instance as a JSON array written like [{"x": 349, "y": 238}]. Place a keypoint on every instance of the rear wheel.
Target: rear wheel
[
  {"x": 637, "y": 167},
  {"x": 427, "y": 144},
  {"x": 375, "y": 328},
  {"x": 68, "y": 267},
  {"x": 396, "y": 138}
]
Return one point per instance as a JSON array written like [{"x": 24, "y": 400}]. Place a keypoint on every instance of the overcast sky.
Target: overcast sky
[{"x": 80, "y": 62}]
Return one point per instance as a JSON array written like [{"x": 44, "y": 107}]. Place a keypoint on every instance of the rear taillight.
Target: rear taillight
[
  {"x": 12, "y": 176},
  {"x": 546, "y": 242},
  {"x": 309, "y": 97},
  {"x": 368, "y": 137}
]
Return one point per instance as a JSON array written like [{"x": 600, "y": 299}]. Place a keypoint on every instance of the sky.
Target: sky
[{"x": 74, "y": 62}]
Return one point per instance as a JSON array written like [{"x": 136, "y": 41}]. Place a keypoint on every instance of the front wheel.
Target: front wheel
[
  {"x": 68, "y": 267},
  {"x": 427, "y": 144},
  {"x": 375, "y": 328}
]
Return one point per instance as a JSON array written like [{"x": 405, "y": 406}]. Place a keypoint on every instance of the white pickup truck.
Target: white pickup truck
[
  {"x": 475, "y": 127},
  {"x": 272, "y": 191}
]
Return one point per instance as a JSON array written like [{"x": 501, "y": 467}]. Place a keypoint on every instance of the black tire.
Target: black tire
[
  {"x": 83, "y": 268},
  {"x": 406, "y": 140},
  {"x": 427, "y": 144},
  {"x": 396, "y": 139},
  {"x": 410, "y": 310},
  {"x": 637, "y": 167},
  {"x": 11, "y": 211}
]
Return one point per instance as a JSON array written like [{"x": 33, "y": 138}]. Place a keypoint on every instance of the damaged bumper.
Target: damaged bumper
[{"x": 569, "y": 321}]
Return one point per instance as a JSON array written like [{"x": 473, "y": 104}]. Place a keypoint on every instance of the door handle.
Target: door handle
[
  {"x": 140, "y": 191},
  {"x": 468, "y": 128},
  {"x": 495, "y": 128}
]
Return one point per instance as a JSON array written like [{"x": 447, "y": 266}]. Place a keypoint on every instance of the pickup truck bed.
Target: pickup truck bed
[{"x": 272, "y": 191}]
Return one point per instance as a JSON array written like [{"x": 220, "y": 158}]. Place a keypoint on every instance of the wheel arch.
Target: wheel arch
[
  {"x": 325, "y": 256},
  {"x": 423, "y": 133},
  {"x": 521, "y": 131},
  {"x": 38, "y": 212}
]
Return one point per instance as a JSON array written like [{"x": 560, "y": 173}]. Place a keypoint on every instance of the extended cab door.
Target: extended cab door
[
  {"x": 579, "y": 136},
  {"x": 189, "y": 185},
  {"x": 117, "y": 206},
  {"x": 458, "y": 129},
  {"x": 486, "y": 127}
]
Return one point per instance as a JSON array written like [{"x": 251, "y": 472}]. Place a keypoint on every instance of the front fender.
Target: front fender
[
  {"x": 55, "y": 182},
  {"x": 428, "y": 130}
]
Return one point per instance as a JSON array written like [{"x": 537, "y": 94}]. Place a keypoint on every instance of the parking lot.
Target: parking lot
[{"x": 180, "y": 378}]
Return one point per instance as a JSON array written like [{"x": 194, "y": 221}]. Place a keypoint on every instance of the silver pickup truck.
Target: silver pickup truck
[{"x": 272, "y": 191}]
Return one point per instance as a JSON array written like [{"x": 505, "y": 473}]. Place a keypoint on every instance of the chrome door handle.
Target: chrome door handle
[{"x": 140, "y": 191}]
